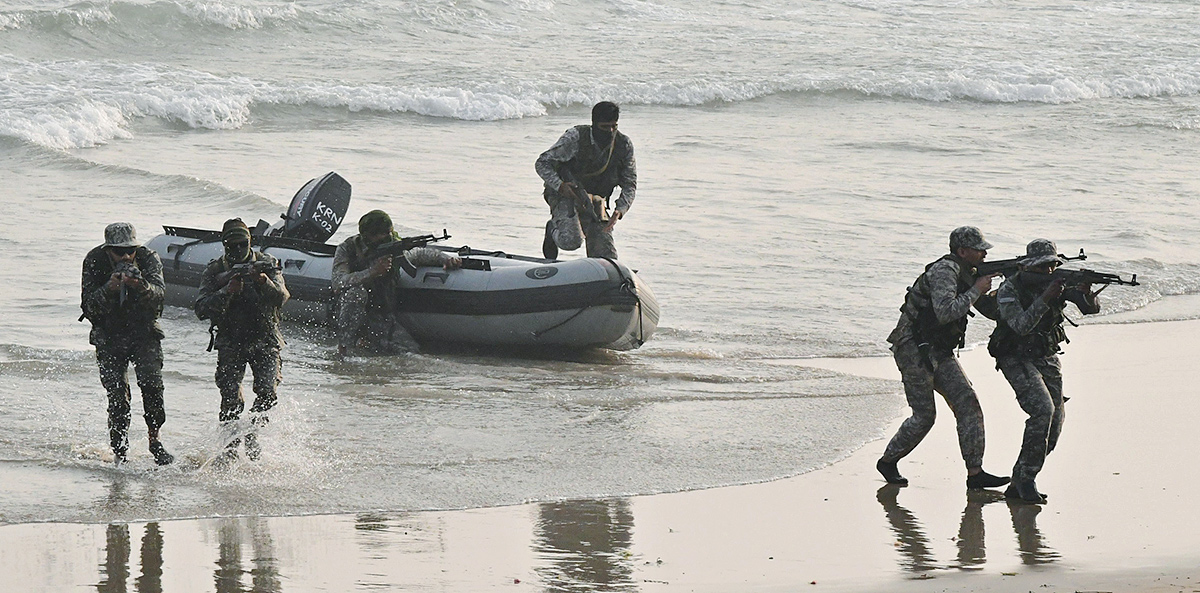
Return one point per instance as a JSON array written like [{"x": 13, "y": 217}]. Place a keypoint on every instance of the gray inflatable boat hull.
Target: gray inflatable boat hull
[{"x": 519, "y": 301}]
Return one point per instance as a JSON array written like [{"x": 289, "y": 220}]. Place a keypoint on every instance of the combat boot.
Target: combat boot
[
  {"x": 1026, "y": 491},
  {"x": 890, "y": 472},
  {"x": 549, "y": 247},
  {"x": 119, "y": 441},
  {"x": 986, "y": 480},
  {"x": 161, "y": 456},
  {"x": 229, "y": 456}
]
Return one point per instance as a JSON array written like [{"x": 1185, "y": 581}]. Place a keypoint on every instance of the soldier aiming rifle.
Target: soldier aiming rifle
[
  {"x": 122, "y": 295},
  {"x": 1026, "y": 343},
  {"x": 242, "y": 293},
  {"x": 367, "y": 287}
]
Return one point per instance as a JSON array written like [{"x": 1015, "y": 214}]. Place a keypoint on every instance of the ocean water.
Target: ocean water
[{"x": 800, "y": 162}]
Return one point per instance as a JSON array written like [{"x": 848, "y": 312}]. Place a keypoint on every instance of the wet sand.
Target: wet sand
[{"x": 1121, "y": 515}]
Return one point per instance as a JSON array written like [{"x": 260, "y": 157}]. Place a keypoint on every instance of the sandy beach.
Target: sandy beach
[
  {"x": 798, "y": 163},
  {"x": 1120, "y": 515}
]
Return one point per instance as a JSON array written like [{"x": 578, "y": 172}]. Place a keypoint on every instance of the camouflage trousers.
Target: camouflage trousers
[
  {"x": 113, "y": 358},
  {"x": 1038, "y": 385},
  {"x": 379, "y": 331},
  {"x": 920, "y": 383},
  {"x": 266, "y": 365},
  {"x": 570, "y": 231}
]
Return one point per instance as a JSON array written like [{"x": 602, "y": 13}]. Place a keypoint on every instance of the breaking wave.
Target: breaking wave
[
  {"x": 75, "y": 104},
  {"x": 130, "y": 15}
]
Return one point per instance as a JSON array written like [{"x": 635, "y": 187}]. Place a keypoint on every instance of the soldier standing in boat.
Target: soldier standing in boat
[
  {"x": 933, "y": 323},
  {"x": 580, "y": 172},
  {"x": 242, "y": 293},
  {"x": 122, "y": 295},
  {"x": 1025, "y": 345},
  {"x": 368, "y": 287}
]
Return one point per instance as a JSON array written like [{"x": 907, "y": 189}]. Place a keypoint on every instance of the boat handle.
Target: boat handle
[
  {"x": 294, "y": 263},
  {"x": 439, "y": 275}
]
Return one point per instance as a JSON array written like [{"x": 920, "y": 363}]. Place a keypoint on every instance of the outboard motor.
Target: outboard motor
[{"x": 316, "y": 211}]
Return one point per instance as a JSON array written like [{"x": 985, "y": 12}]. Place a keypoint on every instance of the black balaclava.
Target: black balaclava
[
  {"x": 604, "y": 112},
  {"x": 236, "y": 238}
]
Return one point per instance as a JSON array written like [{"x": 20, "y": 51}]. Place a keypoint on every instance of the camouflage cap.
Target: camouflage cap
[
  {"x": 969, "y": 237},
  {"x": 375, "y": 222},
  {"x": 234, "y": 228},
  {"x": 1040, "y": 252},
  {"x": 120, "y": 234}
]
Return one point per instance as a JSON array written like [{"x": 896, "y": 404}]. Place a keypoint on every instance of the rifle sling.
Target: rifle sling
[{"x": 612, "y": 143}]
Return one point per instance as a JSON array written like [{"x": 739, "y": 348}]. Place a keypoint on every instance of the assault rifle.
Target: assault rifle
[
  {"x": 247, "y": 270},
  {"x": 1008, "y": 267},
  {"x": 593, "y": 207},
  {"x": 126, "y": 270},
  {"x": 1083, "y": 276},
  {"x": 399, "y": 246}
]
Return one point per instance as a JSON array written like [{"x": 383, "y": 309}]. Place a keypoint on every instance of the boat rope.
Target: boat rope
[
  {"x": 627, "y": 285},
  {"x": 539, "y": 333},
  {"x": 630, "y": 286}
]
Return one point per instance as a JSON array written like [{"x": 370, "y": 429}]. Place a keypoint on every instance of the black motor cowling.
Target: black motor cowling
[{"x": 318, "y": 209}]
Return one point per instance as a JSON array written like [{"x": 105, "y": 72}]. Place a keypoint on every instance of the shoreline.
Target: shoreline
[{"x": 1119, "y": 519}]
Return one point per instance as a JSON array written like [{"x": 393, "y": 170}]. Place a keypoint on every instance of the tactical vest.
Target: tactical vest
[
  {"x": 246, "y": 317},
  {"x": 385, "y": 294},
  {"x": 358, "y": 251},
  {"x": 918, "y": 306},
  {"x": 99, "y": 268},
  {"x": 1040, "y": 342},
  {"x": 598, "y": 168}
]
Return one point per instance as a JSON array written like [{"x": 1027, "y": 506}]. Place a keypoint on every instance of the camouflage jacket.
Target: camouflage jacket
[
  {"x": 577, "y": 145},
  {"x": 939, "y": 301},
  {"x": 138, "y": 317},
  {"x": 250, "y": 318},
  {"x": 1029, "y": 326}
]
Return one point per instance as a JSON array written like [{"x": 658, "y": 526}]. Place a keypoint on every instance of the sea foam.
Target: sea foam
[
  {"x": 134, "y": 16},
  {"x": 73, "y": 104}
]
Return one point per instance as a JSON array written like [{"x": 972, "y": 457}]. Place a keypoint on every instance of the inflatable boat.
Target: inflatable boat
[{"x": 497, "y": 299}]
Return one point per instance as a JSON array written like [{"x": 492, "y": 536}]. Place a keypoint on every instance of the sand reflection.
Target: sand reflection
[
  {"x": 245, "y": 563},
  {"x": 261, "y": 568},
  {"x": 584, "y": 545},
  {"x": 916, "y": 553},
  {"x": 115, "y": 572}
]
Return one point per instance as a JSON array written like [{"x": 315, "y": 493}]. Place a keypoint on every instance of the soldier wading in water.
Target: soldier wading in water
[
  {"x": 933, "y": 322},
  {"x": 122, "y": 295},
  {"x": 369, "y": 290},
  {"x": 580, "y": 172},
  {"x": 1025, "y": 345},
  {"x": 242, "y": 293}
]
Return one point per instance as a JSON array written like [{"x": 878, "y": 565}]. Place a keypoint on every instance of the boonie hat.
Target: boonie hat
[
  {"x": 1040, "y": 252},
  {"x": 969, "y": 237},
  {"x": 120, "y": 234}
]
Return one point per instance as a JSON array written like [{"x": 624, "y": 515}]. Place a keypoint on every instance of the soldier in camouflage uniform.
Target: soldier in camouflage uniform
[
  {"x": 1025, "y": 345},
  {"x": 368, "y": 291},
  {"x": 595, "y": 159},
  {"x": 244, "y": 311},
  {"x": 933, "y": 323},
  {"x": 122, "y": 295}
]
